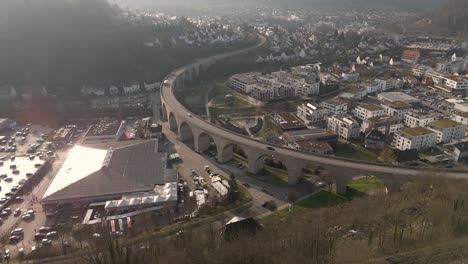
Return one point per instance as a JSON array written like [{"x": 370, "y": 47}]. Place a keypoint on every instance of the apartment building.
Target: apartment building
[
  {"x": 397, "y": 109},
  {"x": 309, "y": 88},
  {"x": 419, "y": 138},
  {"x": 385, "y": 124},
  {"x": 312, "y": 113},
  {"x": 366, "y": 111},
  {"x": 418, "y": 119},
  {"x": 335, "y": 107},
  {"x": 241, "y": 82},
  {"x": 262, "y": 93},
  {"x": 462, "y": 118},
  {"x": 345, "y": 126},
  {"x": 447, "y": 130}
]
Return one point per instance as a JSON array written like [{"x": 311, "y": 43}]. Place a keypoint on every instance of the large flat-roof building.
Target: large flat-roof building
[
  {"x": 110, "y": 174},
  {"x": 104, "y": 132},
  {"x": 389, "y": 97},
  {"x": 447, "y": 130},
  {"x": 288, "y": 121},
  {"x": 366, "y": 111},
  {"x": 419, "y": 138}
]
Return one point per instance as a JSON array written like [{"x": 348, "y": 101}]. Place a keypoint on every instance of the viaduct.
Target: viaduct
[{"x": 191, "y": 127}]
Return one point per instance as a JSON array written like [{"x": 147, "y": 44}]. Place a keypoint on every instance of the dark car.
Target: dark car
[
  {"x": 271, "y": 148},
  {"x": 39, "y": 236}
]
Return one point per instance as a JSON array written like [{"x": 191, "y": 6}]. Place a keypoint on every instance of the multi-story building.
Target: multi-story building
[
  {"x": 372, "y": 87},
  {"x": 418, "y": 119},
  {"x": 284, "y": 89},
  {"x": 345, "y": 126},
  {"x": 366, "y": 111},
  {"x": 241, "y": 82},
  {"x": 420, "y": 70},
  {"x": 447, "y": 130},
  {"x": 398, "y": 108},
  {"x": 385, "y": 124},
  {"x": 350, "y": 76},
  {"x": 335, "y": 107},
  {"x": 308, "y": 88},
  {"x": 462, "y": 118},
  {"x": 262, "y": 92},
  {"x": 312, "y": 113},
  {"x": 419, "y": 138},
  {"x": 458, "y": 85},
  {"x": 388, "y": 83}
]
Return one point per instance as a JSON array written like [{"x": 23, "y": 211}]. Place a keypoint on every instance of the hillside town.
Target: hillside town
[{"x": 416, "y": 104}]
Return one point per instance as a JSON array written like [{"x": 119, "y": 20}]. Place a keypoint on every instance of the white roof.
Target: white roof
[
  {"x": 147, "y": 200},
  {"x": 110, "y": 204},
  {"x": 81, "y": 162},
  {"x": 219, "y": 187},
  {"x": 123, "y": 203},
  {"x": 135, "y": 201},
  {"x": 235, "y": 219},
  {"x": 158, "y": 199}
]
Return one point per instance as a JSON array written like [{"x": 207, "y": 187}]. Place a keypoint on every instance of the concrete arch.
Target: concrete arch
[
  {"x": 203, "y": 141},
  {"x": 172, "y": 122},
  {"x": 185, "y": 132}
]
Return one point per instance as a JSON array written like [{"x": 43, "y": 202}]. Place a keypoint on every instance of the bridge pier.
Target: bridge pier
[
  {"x": 201, "y": 142},
  {"x": 294, "y": 169},
  {"x": 185, "y": 132},
  {"x": 225, "y": 152}
]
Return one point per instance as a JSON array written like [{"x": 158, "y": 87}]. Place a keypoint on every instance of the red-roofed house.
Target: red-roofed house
[{"x": 410, "y": 56}]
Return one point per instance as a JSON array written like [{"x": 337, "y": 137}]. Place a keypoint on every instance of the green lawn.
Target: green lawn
[
  {"x": 366, "y": 184},
  {"x": 322, "y": 199},
  {"x": 355, "y": 152}
]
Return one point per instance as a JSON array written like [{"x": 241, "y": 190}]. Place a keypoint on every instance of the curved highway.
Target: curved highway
[{"x": 179, "y": 110}]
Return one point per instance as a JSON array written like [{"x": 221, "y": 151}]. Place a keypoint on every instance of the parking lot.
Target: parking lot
[{"x": 14, "y": 172}]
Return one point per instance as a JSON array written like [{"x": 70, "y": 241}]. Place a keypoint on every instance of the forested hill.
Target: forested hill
[
  {"x": 452, "y": 17},
  {"x": 57, "y": 42},
  {"x": 71, "y": 43}
]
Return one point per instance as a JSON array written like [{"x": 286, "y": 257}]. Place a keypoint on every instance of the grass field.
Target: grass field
[
  {"x": 355, "y": 152},
  {"x": 322, "y": 199},
  {"x": 366, "y": 184}
]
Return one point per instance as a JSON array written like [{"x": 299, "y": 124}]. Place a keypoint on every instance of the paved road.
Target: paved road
[
  {"x": 171, "y": 102},
  {"x": 197, "y": 162}
]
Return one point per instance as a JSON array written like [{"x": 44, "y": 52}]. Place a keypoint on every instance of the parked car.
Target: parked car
[
  {"x": 17, "y": 212},
  {"x": 27, "y": 216},
  {"x": 46, "y": 242},
  {"x": 39, "y": 236},
  {"x": 17, "y": 231},
  {"x": 51, "y": 234},
  {"x": 14, "y": 239},
  {"x": 45, "y": 229}
]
